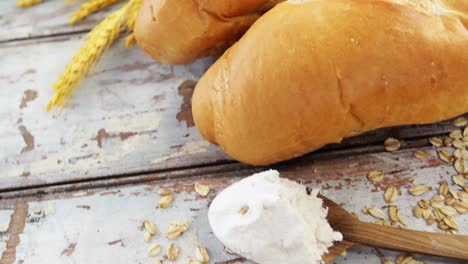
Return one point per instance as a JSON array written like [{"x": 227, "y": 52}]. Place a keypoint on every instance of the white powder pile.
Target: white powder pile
[{"x": 272, "y": 220}]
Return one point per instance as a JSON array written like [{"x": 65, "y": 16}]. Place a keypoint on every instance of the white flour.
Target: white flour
[{"x": 280, "y": 224}]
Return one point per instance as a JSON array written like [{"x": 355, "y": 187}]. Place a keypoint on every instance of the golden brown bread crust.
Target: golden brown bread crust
[
  {"x": 305, "y": 75},
  {"x": 180, "y": 31}
]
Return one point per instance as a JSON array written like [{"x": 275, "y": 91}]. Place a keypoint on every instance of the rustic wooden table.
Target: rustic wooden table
[{"x": 77, "y": 184}]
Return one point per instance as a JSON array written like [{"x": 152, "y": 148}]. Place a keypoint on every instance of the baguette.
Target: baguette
[
  {"x": 180, "y": 31},
  {"x": 312, "y": 73}
]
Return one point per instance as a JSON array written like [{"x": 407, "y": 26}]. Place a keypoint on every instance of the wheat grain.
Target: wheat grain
[
  {"x": 130, "y": 40},
  {"x": 132, "y": 16},
  {"x": 101, "y": 37},
  {"x": 90, "y": 7},
  {"x": 133, "y": 13},
  {"x": 27, "y": 3}
]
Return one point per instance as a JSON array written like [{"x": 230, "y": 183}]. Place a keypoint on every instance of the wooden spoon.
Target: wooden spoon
[{"x": 399, "y": 239}]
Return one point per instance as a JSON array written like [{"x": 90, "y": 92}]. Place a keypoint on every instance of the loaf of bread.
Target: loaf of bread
[
  {"x": 180, "y": 31},
  {"x": 309, "y": 73}
]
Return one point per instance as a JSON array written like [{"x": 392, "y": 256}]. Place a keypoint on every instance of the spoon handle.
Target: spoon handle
[{"x": 444, "y": 245}]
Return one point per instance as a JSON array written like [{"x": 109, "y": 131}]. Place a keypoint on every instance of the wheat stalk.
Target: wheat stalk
[
  {"x": 90, "y": 7},
  {"x": 27, "y": 3},
  {"x": 101, "y": 37}
]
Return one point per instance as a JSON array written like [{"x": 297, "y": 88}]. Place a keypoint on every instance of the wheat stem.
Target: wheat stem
[
  {"x": 90, "y": 7},
  {"x": 101, "y": 37},
  {"x": 27, "y": 3}
]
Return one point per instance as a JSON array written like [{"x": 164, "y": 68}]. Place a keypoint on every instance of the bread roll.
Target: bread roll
[
  {"x": 180, "y": 31},
  {"x": 308, "y": 74}
]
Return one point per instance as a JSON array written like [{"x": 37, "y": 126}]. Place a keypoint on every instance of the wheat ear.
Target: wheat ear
[
  {"x": 27, "y": 3},
  {"x": 132, "y": 15},
  {"x": 101, "y": 37},
  {"x": 90, "y": 7}
]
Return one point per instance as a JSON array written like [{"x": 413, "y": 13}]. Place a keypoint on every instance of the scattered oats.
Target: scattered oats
[
  {"x": 377, "y": 213},
  {"x": 449, "y": 199},
  {"x": 445, "y": 155},
  {"x": 202, "y": 189},
  {"x": 448, "y": 211},
  {"x": 460, "y": 166},
  {"x": 391, "y": 194},
  {"x": 461, "y": 207},
  {"x": 465, "y": 141},
  {"x": 420, "y": 154},
  {"x": 424, "y": 204},
  {"x": 393, "y": 213},
  {"x": 454, "y": 194},
  {"x": 463, "y": 196},
  {"x": 192, "y": 261},
  {"x": 443, "y": 189},
  {"x": 452, "y": 231},
  {"x": 438, "y": 215},
  {"x": 465, "y": 188},
  {"x": 442, "y": 225},
  {"x": 448, "y": 142},
  {"x": 417, "y": 211},
  {"x": 149, "y": 226},
  {"x": 365, "y": 210},
  {"x": 460, "y": 122},
  {"x": 437, "y": 201},
  {"x": 456, "y": 134},
  {"x": 450, "y": 222},
  {"x": 402, "y": 221},
  {"x": 164, "y": 191},
  {"x": 201, "y": 254},
  {"x": 172, "y": 252},
  {"x": 386, "y": 261},
  {"x": 457, "y": 143},
  {"x": 461, "y": 154},
  {"x": 458, "y": 180},
  {"x": 154, "y": 250},
  {"x": 375, "y": 175},
  {"x": 436, "y": 141},
  {"x": 177, "y": 229},
  {"x": 392, "y": 144},
  {"x": 404, "y": 259},
  {"x": 244, "y": 209},
  {"x": 465, "y": 132},
  {"x": 165, "y": 201},
  {"x": 419, "y": 189},
  {"x": 379, "y": 222},
  {"x": 431, "y": 219},
  {"x": 158, "y": 261},
  {"x": 147, "y": 237},
  {"x": 426, "y": 213}
]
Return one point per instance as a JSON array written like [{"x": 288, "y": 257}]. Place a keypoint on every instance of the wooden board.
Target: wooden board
[
  {"x": 130, "y": 115},
  {"x": 49, "y": 18},
  {"x": 99, "y": 225}
]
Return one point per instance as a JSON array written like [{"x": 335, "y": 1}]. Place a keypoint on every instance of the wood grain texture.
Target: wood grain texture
[
  {"x": 94, "y": 225},
  {"x": 46, "y": 19},
  {"x": 394, "y": 238}
]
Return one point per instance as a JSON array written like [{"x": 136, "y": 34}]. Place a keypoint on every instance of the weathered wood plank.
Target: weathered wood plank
[
  {"x": 131, "y": 115},
  {"x": 48, "y": 18},
  {"x": 94, "y": 225}
]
